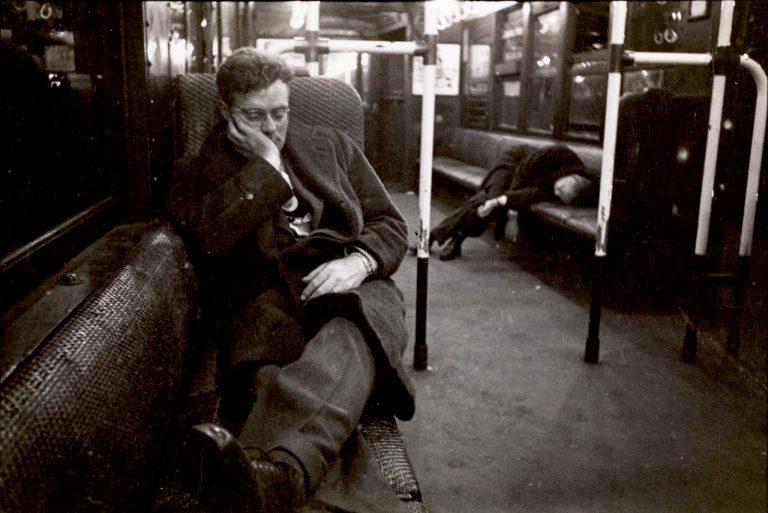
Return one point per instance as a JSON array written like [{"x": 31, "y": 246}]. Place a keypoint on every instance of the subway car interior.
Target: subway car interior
[{"x": 445, "y": 256}]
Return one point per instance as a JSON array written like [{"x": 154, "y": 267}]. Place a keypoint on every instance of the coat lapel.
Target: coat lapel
[{"x": 313, "y": 162}]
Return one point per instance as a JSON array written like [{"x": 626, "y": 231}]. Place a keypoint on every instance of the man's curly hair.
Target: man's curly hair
[{"x": 249, "y": 69}]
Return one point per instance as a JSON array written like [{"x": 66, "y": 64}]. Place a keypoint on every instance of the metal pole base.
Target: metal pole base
[
  {"x": 420, "y": 350},
  {"x": 734, "y": 326},
  {"x": 733, "y": 343},
  {"x": 692, "y": 310},
  {"x": 688, "y": 354},
  {"x": 420, "y": 357},
  {"x": 592, "y": 349}
]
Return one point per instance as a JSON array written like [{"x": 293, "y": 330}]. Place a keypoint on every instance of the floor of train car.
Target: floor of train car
[{"x": 510, "y": 419}]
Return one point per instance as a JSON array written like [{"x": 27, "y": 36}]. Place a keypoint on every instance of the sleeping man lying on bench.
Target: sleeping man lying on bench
[{"x": 524, "y": 176}]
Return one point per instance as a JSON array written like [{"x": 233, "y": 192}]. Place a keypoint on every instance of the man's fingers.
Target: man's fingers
[
  {"x": 330, "y": 277},
  {"x": 313, "y": 285},
  {"x": 240, "y": 124},
  {"x": 317, "y": 287},
  {"x": 314, "y": 272},
  {"x": 234, "y": 134}
]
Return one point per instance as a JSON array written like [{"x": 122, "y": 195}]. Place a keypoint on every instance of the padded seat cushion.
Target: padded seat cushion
[
  {"x": 468, "y": 175},
  {"x": 581, "y": 220}
]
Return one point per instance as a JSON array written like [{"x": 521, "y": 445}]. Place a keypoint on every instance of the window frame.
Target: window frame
[{"x": 114, "y": 38}]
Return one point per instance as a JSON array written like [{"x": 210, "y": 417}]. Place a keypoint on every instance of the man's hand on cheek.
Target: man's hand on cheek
[
  {"x": 251, "y": 142},
  {"x": 340, "y": 275}
]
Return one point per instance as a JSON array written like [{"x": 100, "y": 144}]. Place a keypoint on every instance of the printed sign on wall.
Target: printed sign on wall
[{"x": 447, "y": 71}]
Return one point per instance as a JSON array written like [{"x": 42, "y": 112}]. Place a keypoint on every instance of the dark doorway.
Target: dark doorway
[{"x": 386, "y": 115}]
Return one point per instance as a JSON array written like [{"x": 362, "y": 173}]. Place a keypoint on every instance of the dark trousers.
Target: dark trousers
[
  {"x": 306, "y": 409},
  {"x": 464, "y": 221}
]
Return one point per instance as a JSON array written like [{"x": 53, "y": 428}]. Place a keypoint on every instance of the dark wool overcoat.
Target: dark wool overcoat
[{"x": 229, "y": 208}]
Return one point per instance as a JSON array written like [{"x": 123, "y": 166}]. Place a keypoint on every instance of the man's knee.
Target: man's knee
[{"x": 342, "y": 334}]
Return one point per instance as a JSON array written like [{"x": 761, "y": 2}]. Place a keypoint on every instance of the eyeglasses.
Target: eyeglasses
[{"x": 259, "y": 116}]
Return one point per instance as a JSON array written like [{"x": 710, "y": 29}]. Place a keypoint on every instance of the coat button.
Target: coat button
[{"x": 249, "y": 195}]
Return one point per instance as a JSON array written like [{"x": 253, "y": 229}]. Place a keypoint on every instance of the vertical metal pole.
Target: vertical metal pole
[
  {"x": 618, "y": 26},
  {"x": 750, "y": 202},
  {"x": 311, "y": 34},
  {"x": 425, "y": 182},
  {"x": 707, "y": 186},
  {"x": 219, "y": 35}
]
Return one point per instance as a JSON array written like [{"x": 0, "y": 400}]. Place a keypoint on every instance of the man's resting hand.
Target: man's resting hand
[
  {"x": 339, "y": 275},
  {"x": 486, "y": 208},
  {"x": 251, "y": 141}
]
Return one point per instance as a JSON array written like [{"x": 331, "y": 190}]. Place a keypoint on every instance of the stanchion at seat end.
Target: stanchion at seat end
[
  {"x": 592, "y": 350},
  {"x": 734, "y": 326},
  {"x": 420, "y": 350},
  {"x": 690, "y": 341},
  {"x": 691, "y": 312}
]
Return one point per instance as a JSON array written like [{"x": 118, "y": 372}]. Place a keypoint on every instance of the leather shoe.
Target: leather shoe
[
  {"x": 452, "y": 249},
  {"x": 233, "y": 479}
]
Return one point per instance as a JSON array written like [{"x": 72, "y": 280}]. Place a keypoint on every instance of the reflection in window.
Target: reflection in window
[
  {"x": 510, "y": 67},
  {"x": 641, "y": 80},
  {"x": 591, "y": 32},
  {"x": 587, "y": 106},
  {"x": 52, "y": 151},
  {"x": 547, "y": 59},
  {"x": 512, "y": 43},
  {"x": 479, "y": 69},
  {"x": 341, "y": 66},
  {"x": 510, "y": 103},
  {"x": 589, "y": 73}
]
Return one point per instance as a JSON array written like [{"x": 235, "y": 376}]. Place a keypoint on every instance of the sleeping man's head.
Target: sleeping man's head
[{"x": 572, "y": 188}]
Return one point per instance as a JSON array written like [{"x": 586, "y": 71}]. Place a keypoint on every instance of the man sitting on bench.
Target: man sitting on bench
[{"x": 297, "y": 240}]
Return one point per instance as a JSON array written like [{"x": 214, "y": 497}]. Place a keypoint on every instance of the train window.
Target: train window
[
  {"x": 591, "y": 32},
  {"x": 510, "y": 103},
  {"x": 56, "y": 154},
  {"x": 341, "y": 66},
  {"x": 589, "y": 80},
  {"x": 589, "y": 71},
  {"x": 510, "y": 67},
  {"x": 548, "y": 36},
  {"x": 641, "y": 80},
  {"x": 479, "y": 68}
]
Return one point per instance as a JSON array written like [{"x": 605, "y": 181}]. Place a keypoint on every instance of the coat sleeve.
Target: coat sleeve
[
  {"x": 385, "y": 233},
  {"x": 217, "y": 213}
]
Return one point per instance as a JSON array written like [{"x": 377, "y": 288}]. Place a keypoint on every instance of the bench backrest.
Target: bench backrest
[
  {"x": 314, "y": 101},
  {"x": 659, "y": 156},
  {"x": 485, "y": 149}
]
